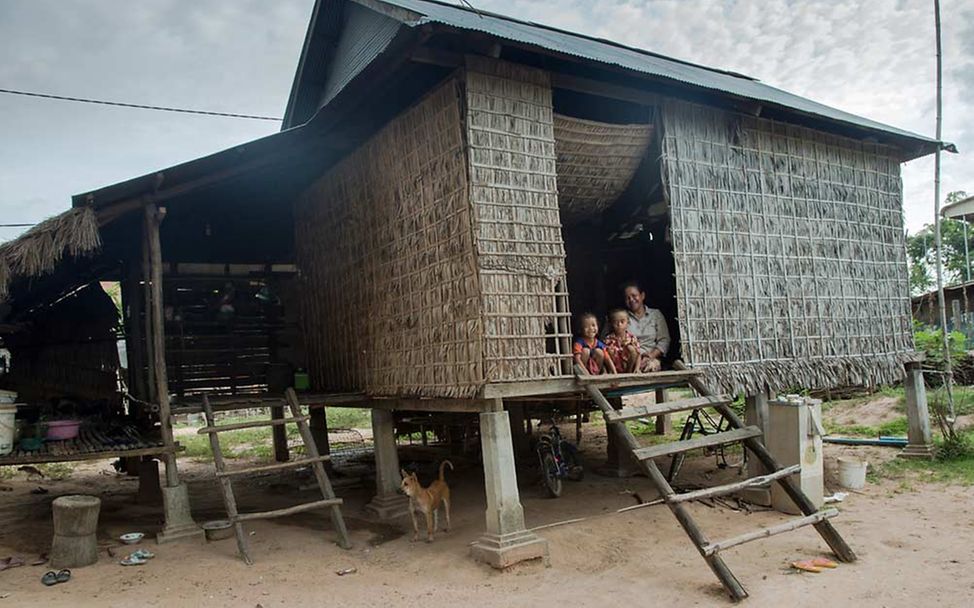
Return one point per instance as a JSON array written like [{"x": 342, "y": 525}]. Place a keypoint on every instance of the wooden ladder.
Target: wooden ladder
[
  {"x": 751, "y": 437},
  {"x": 312, "y": 458}
]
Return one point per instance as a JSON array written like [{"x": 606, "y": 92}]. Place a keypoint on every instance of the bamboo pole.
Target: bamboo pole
[
  {"x": 948, "y": 366},
  {"x": 154, "y": 217}
]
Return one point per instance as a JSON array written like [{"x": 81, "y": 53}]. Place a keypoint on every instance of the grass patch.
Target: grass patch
[
  {"x": 957, "y": 470},
  {"x": 258, "y": 442},
  {"x": 54, "y": 471},
  {"x": 895, "y": 428}
]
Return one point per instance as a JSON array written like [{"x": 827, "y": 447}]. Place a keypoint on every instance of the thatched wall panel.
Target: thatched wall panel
[
  {"x": 789, "y": 248},
  {"x": 514, "y": 192},
  {"x": 385, "y": 247}
]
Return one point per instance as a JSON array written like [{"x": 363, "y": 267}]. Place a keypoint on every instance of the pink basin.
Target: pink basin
[{"x": 59, "y": 430}]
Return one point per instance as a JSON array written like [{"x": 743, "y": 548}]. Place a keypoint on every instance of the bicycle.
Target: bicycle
[
  {"x": 558, "y": 459},
  {"x": 702, "y": 422}
]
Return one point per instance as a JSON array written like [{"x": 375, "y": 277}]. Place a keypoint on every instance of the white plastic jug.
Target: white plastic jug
[{"x": 7, "y": 415}]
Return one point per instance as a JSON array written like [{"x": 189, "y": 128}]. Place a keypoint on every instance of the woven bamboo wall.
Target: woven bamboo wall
[
  {"x": 391, "y": 301},
  {"x": 789, "y": 251},
  {"x": 520, "y": 252},
  {"x": 596, "y": 162}
]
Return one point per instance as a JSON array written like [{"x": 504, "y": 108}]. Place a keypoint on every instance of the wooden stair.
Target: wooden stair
[
  {"x": 312, "y": 459},
  {"x": 751, "y": 437}
]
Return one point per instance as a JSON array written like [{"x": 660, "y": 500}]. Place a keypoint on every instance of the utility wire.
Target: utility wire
[
  {"x": 139, "y": 106},
  {"x": 16, "y": 225}
]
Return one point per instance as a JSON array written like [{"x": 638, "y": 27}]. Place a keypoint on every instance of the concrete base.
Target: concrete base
[
  {"x": 388, "y": 507},
  {"x": 757, "y": 496},
  {"x": 509, "y": 549},
  {"x": 923, "y": 451},
  {"x": 179, "y": 519}
]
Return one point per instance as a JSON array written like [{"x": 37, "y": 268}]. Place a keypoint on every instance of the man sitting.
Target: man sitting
[{"x": 649, "y": 327}]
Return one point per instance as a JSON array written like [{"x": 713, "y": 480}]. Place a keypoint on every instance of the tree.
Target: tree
[{"x": 921, "y": 249}]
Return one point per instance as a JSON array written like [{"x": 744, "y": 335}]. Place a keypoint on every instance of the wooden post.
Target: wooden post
[
  {"x": 663, "y": 422},
  {"x": 957, "y": 318},
  {"x": 154, "y": 217},
  {"x": 319, "y": 429},
  {"x": 279, "y": 433},
  {"x": 132, "y": 304},
  {"x": 149, "y": 347}
]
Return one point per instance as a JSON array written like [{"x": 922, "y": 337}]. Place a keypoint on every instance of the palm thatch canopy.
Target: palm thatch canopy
[{"x": 39, "y": 250}]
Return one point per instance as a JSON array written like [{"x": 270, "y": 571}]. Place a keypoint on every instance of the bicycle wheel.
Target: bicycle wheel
[{"x": 549, "y": 475}]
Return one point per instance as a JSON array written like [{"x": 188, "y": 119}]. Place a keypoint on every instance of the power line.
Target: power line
[
  {"x": 16, "y": 225},
  {"x": 139, "y": 106}
]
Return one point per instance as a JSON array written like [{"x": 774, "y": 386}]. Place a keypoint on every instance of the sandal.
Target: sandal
[
  {"x": 806, "y": 566},
  {"x": 824, "y": 562},
  {"x": 49, "y": 578},
  {"x": 13, "y": 561},
  {"x": 132, "y": 560},
  {"x": 142, "y": 554},
  {"x": 63, "y": 576}
]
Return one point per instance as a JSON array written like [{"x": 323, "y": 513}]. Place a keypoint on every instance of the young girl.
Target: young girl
[
  {"x": 588, "y": 351},
  {"x": 620, "y": 343}
]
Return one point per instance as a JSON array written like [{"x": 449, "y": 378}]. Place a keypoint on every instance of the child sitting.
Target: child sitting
[
  {"x": 620, "y": 343},
  {"x": 588, "y": 351}
]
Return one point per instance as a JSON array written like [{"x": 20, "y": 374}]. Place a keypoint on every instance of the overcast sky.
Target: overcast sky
[{"x": 872, "y": 57}]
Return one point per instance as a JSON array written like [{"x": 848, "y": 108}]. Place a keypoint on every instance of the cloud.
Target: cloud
[{"x": 872, "y": 58}]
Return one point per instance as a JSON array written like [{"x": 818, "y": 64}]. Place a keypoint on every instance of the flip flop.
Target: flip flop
[
  {"x": 824, "y": 562},
  {"x": 142, "y": 554},
  {"x": 806, "y": 566},
  {"x": 63, "y": 576},
  {"x": 13, "y": 561},
  {"x": 131, "y": 560},
  {"x": 49, "y": 578}
]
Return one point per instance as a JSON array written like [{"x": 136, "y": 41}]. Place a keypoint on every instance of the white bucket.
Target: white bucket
[
  {"x": 7, "y": 415},
  {"x": 852, "y": 473}
]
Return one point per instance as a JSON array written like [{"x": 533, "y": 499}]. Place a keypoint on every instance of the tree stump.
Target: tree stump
[{"x": 75, "y": 524}]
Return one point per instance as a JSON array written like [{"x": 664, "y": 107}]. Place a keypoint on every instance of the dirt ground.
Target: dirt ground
[{"x": 915, "y": 545}]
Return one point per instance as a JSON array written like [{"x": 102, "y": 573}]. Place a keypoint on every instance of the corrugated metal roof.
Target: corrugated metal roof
[{"x": 604, "y": 51}]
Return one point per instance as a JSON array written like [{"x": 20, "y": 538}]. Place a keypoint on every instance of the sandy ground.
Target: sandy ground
[{"x": 915, "y": 546}]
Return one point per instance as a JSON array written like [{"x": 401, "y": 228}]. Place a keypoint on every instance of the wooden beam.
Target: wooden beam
[
  {"x": 794, "y": 524},
  {"x": 706, "y": 441},
  {"x": 575, "y": 385},
  {"x": 735, "y": 487},
  {"x": 250, "y": 425},
  {"x": 153, "y": 218},
  {"x": 277, "y": 466}
]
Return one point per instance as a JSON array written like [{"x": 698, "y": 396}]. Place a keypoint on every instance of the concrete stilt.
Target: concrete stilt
[
  {"x": 506, "y": 541},
  {"x": 918, "y": 415},
  {"x": 179, "y": 520},
  {"x": 388, "y": 503}
]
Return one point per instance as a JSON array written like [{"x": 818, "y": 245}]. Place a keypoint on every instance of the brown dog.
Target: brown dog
[{"x": 427, "y": 500}]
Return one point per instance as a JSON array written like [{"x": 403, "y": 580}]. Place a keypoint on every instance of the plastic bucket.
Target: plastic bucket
[
  {"x": 7, "y": 415},
  {"x": 852, "y": 473}
]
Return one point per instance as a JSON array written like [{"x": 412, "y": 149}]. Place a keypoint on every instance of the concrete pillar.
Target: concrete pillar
[
  {"x": 918, "y": 416},
  {"x": 506, "y": 541},
  {"x": 388, "y": 502},
  {"x": 756, "y": 414}
]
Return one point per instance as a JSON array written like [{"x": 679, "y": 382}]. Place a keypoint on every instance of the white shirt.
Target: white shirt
[{"x": 651, "y": 330}]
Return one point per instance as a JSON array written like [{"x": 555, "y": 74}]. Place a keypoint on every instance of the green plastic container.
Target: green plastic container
[{"x": 301, "y": 380}]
